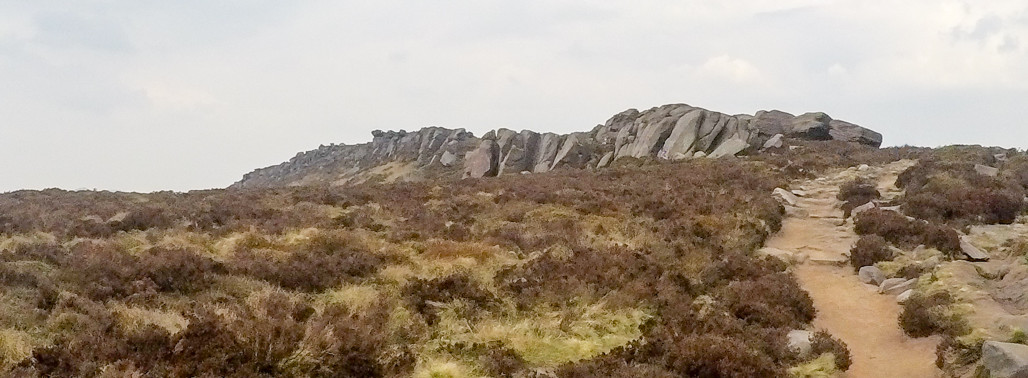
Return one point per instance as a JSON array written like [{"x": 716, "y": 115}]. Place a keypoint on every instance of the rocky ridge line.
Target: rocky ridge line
[{"x": 670, "y": 132}]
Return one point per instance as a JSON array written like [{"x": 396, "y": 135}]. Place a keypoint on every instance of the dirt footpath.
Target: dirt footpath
[{"x": 852, "y": 311}]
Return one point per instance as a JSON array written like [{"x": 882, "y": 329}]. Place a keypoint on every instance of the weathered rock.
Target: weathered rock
[
  {"x": 775, "y": 142},
  {"x": 520, "y": 156},
  {"x": 789, "y": 257},
  {"x": 871, "y": 275},
  {"x": 785, "y": 196},
  {"x": 1005, "y": 360},
  {"x": 573, "y": 153},
  {"x": 986, "y": 170},
  {"x": 848, "y": 132},
  {"x": 973, "y": 253},
  {"x": 447, "y": 159},
  {"x": 862, "y": 208},
  {"x": 799, "y": 341},
  {"x": 730, "y": 147},
  {"x": 682, "y": 138},
  {"x": 605, "y": 160},
  {"x": 608, "y": 133},
  {"x": 546, "y": 152},
  {"x": 769, "y": 123},
  {"x": 812, "y": 126},
  {"x": 482, "y": 161},
  {"x": 905, "y": 296},
  {"x": 896, "y": 286}
]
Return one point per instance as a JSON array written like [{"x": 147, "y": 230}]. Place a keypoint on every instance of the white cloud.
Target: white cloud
[{"x": 733, "y": 70}]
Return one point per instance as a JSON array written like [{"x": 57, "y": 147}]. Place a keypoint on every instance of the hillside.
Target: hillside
[{"x": 671, "y": 132}]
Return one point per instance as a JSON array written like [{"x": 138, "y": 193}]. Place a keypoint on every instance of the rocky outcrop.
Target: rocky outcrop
[
  {"x": 1005, "y": 360},
  {"x": 669, "y": 132}
]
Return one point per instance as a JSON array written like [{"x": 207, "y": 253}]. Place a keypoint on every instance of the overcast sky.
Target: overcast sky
[{"x": 189, "y": 94}]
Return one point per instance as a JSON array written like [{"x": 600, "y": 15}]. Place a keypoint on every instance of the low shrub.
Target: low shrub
[
  {"x": 953, "y": 192},
  {"x": 856, "y": 193},
  {"x": 926, "y": 315},
  {"x": 771, "y": 301},
  {"x": 869, "y": 250},
  {"x": 424, "y": 296},
  {"x": 907, "y": 233},
  {"x": 324, "y": 262},
  {"x": 823, "y": 342}
]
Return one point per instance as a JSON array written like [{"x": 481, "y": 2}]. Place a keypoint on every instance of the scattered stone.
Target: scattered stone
[
  {"x": 972, "y": 252},
  {"x": 799, "y": 193},
  {"x": 799, "y": 340},
  {"x": 788, "y": 257},
  {"x": 785, "y": 196},
  {"x": 871, "y": 275},
  {"x": 863, "y": 208},
  {"x": 729, "y": 147},
  {"x": 986, "y": 170},
  {"x": 902, "y": 298},
  {"x": 448, "y": 159},
  {"x": 829, "y": 261},
  {"x": 896, "y": 286},
  {"x": 699, "y": 154},
  {"x": 863, "y": 168},
  {"x": 775, "y": 142},
  {"x": 1005, "y": 360}
]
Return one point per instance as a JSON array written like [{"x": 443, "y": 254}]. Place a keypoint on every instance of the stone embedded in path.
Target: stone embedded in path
[
  {"x": 785, "y": 196},
  {"x": 871, "y": 275},
  {"x": 788, "y": 257},
  {"x": 1005, "y": 360},
  {"x": 896, "y": 286}
]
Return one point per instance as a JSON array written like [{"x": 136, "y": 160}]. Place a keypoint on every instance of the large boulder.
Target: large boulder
[
  {"x": 521, "y": 153},
  {"x": 871, "y": 275},
  {"x": 1005, "y": 360},
  {"x": 848, "y": 132},
  {"x": 810, "y": 126},
  {"x": 769, "y": 123},
  {"x": 482, "y": 161},
  {"x": 546, "y": 152}
]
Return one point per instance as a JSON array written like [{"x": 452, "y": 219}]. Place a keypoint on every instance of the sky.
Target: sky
[{"x": 136, "y": 95}]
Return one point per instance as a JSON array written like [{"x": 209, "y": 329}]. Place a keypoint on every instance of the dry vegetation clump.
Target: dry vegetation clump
[
  {"x": 823, "y": 342},
  {"x": 856, "y": 193},
  {"x": 953, "y": 192},
  {"x": 930, "y": 314},
  {"x": 805, "y": 159},
  {"x": 907, "y": 233},
  {"x": 870, "y": 250},
  {"x": 323, "y": 262},
  {"x": 638, "y": 270}
]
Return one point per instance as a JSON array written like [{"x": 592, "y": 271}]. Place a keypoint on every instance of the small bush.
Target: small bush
[
  {"x": 324, "y": 262},
  {"x": 907, "y": 233},
  {"x": 926, "y": 315},
  {"x": 772, "y": 301},
  {"x": 953, "y": 192},
  {"x": 822, "y": 342},
  {"x": 856, "y": 193},
  {"x": 423, "y": 295},
  {"x": 869, "y": 250}
]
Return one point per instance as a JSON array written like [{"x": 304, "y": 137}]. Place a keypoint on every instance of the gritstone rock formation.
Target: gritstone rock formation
[{"x": 670, "y": 132}]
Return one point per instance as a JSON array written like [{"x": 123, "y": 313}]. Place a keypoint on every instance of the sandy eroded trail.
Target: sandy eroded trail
[{"x": 849, "y": 309}]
